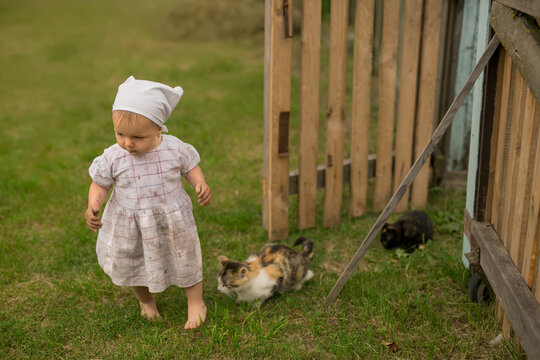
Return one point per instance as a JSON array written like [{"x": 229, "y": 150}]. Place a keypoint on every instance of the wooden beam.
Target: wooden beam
[
  {"x": 531, "y": 7},
  {"x": 511, "y": 290},
  {"x": 415, "y": 169},
  {"x": 521, "y": 37}
]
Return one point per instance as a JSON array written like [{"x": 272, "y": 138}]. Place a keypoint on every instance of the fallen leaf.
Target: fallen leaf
[
  {"x": 392, "y": 346},
  {"x": 421, "y": 247}
]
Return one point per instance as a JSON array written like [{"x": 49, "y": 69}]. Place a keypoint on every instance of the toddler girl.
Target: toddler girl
[{"x": 148, "y": 238}]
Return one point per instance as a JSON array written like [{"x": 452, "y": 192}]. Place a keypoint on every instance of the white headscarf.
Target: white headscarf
[{"x": 151, "y": 99}]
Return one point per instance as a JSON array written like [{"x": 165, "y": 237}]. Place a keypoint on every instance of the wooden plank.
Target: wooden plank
[
  {"x": 536, "y": 274},
  {"x": 513, "y": 293},
  {"x": 531, "y": 235},
  {"x": 308, "y": 141},
  {"x": 335, "y": 115},
  {"x": 531, "y": 7},
  {"x": 277, "y": 90},
  {"x": 361, "y": 106},
  {"x": 521, "y": 38},
  {"x": 387, "y": 98},
  {"x": 408, "y": 78},
  {"x": 502, "y": 153},
  {"x": 321, "y": 174},
  {"x": 427, "y": 92},
  {"x": 524, "y": 179},
  {"x": 509, "y": 232},
  {"x": 501, "y": 161},
  {"x": 415, "y": 169}
]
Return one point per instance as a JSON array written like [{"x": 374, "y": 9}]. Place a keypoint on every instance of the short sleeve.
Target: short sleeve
[
  {"x": 101, "y": 172},
  {"x": 189, "y": 158}
]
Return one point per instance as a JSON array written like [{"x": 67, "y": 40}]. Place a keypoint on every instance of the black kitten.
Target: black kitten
[{"x": 410, "y": 230}]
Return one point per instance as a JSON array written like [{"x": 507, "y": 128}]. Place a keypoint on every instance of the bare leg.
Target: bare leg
[
  {"x": 196, "y": 306},
  {"x": 147, "y": 302}
]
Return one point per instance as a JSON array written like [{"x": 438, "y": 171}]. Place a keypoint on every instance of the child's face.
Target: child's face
[{"x": 137, "y": 135}]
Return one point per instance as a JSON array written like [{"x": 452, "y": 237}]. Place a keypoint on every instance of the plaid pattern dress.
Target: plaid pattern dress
[{"x": 149, "y": 237}]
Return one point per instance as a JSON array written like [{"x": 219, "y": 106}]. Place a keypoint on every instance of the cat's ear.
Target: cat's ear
[
  {"x": 222, "y": 259},
  {"x": 243, "y": 272}
]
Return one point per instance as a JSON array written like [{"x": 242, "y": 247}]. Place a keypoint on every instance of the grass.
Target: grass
[{"x": 61, "y": 63}]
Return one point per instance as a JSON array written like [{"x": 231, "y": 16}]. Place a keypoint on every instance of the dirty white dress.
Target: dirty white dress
[{"x": 149, "y": 237}]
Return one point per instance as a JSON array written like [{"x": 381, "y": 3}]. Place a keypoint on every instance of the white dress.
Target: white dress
[{"x": 149, "y": 237}]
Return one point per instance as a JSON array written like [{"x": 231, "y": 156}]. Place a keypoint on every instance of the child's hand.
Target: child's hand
[
  {"x": 92, "y": 219},
  {"x": 204, "y": 195}
]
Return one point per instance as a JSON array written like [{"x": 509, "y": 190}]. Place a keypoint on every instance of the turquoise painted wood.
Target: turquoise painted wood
[
  {"x": 461, "y": 126},
  {"x": 481, "y": 43}
]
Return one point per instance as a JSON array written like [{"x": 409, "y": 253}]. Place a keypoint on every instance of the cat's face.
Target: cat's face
[
  {"x": 232, "y": 275},
  {"x": 389, "y": 236}
]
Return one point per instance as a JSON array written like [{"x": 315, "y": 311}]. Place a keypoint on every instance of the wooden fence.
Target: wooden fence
[
  {"x": 505, "y": 225},
  {"x": 406, "y": 107}
]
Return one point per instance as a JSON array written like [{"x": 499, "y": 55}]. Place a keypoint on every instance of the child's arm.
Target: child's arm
[
  {"x": 196, "y": 178},
  {"x": 96, "y": 197}
]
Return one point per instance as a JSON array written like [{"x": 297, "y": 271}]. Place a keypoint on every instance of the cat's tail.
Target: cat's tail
[{"x": 308, "y": 247}]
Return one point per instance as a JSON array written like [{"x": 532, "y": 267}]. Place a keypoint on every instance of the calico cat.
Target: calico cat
[
  {"x": 276, "y": 269},
  {"x": 409, "y": 231}
]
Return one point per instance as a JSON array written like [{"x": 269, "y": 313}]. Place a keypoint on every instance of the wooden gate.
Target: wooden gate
[{"x": 406, "y": 107}]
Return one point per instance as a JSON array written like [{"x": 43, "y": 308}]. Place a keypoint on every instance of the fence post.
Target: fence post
[{"x": 277, "y": 90}]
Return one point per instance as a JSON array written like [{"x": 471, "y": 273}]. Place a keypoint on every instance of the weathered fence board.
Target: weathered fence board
[
  {"x": 335, "y": 114},
  {"x": 308, "y": 140},
  {"x": 408, "y": 77},
  {"x": 532, "y": 197},
  {"x": 426, "y": 101},
  {"x": 387, "y": 98},
  {"x": 361, "y": 107},
  {"x": 277, "y": 90}
]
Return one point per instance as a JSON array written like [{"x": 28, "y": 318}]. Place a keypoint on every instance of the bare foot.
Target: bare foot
[
  {"x": 150, "y": 311},
  {"x": 196, "y": 314}
]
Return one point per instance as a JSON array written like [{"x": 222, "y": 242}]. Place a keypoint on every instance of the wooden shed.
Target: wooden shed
[{"x": 502, "y": 217}]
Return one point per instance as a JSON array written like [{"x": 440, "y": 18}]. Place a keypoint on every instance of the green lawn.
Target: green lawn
[{"x": 61, "y": 62}]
